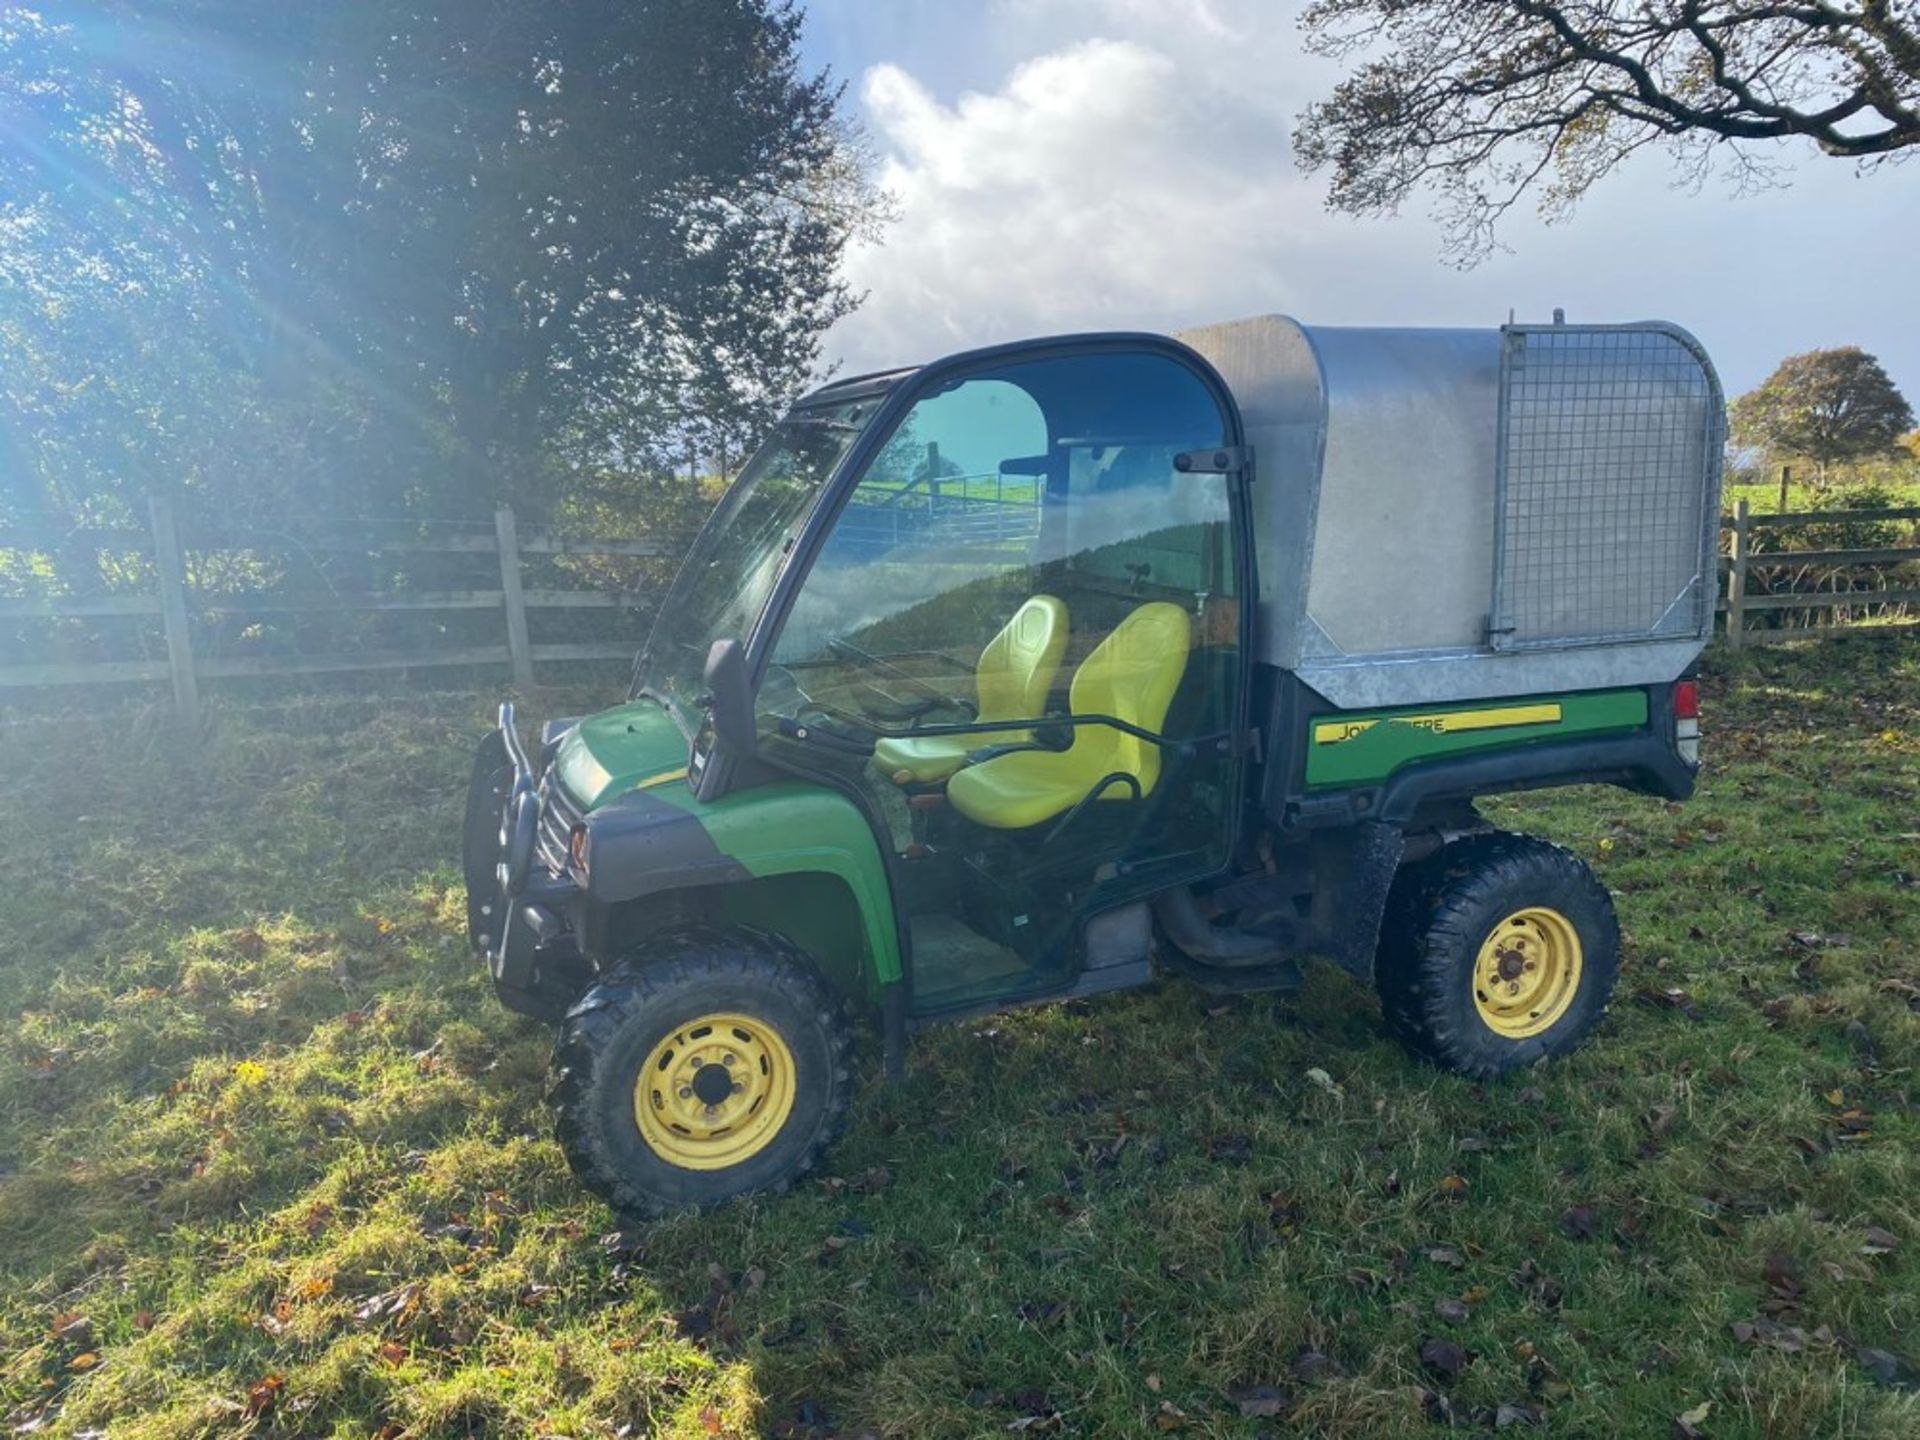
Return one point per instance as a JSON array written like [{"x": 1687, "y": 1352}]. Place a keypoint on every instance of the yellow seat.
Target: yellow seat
[
  {"x": 1131, "y": 675},
  {"x": 1011, "y": 682}
]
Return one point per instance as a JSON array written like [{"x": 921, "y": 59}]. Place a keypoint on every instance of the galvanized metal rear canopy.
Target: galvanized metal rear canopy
[{"x": 1457, "y": 514}]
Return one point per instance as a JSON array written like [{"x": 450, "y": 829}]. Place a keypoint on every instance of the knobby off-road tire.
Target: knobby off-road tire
[
  {"x": 1431, "y": 961},
  {"x": 655, "y": 999}
]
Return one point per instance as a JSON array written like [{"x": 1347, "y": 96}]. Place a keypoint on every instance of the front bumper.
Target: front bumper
[{"x": 519, "y": 887}]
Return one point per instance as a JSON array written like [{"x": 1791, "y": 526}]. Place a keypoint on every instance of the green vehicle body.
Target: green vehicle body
[{"x": 668, "y": 811}]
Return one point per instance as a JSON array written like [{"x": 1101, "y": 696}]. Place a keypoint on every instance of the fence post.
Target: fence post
[
  {"x": 1737, "y": 579},
  {"x": 170, "y": 566},
  {"x": 518, "y": 650}
]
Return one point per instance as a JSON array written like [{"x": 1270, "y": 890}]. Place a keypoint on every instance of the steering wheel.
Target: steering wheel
[{"x": 892, "y": 708}]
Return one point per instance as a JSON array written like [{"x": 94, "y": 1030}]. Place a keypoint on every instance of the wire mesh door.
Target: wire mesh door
[{"x": 1609, "y": 487}]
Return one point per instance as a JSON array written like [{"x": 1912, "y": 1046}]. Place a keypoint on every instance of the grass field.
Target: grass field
[
  {"x": 1764, "y": 498},
  {"x": 274, "y": 1162}
]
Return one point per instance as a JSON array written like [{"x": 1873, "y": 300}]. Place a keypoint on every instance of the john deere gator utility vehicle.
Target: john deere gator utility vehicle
[{"x": 1046, "y": 669}]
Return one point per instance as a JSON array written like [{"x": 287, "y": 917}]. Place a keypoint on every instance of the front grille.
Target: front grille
[{"x": 558, "y": 816}]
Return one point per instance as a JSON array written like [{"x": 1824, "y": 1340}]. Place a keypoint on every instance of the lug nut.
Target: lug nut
[
  {"x": 739, "y": 1087},
  {"x": 686, "y": 1092}
]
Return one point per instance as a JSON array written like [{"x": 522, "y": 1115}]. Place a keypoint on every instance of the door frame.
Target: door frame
[{"x": 904, "y": 392}]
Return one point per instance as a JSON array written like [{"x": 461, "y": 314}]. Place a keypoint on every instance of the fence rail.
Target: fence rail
[
  {"x": 1742, "y": 560},
  {"x": 175, "y": 604}
]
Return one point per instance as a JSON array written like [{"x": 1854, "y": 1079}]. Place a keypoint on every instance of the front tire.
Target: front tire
[
  {"x": 713, "y": 1065},
  {"x": 1498, "y": 952}
]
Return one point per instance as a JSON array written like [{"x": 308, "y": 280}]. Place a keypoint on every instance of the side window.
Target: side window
[
  {"x": 1009, "y": 526},
  {"x": 938, "y": 533}
]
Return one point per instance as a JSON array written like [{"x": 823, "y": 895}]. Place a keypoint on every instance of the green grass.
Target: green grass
[
  {"x": 264, "y": 1132},
  {"x": 1763, "y": 498}
]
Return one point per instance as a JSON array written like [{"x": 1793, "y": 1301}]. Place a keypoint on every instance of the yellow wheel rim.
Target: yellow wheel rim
[
  {"x": 715, "y": 1092},
  {"x": 1527, "y": 973}
]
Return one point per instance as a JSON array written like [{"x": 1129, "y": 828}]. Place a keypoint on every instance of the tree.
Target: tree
[
  {"x": 359, "y": 257},
  {"x": 1827, "y": 406},
  {"x": 1486, "y": 100}
]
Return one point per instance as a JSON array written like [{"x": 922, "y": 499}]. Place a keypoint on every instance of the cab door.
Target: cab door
[{"x": 1024, "y": 641}]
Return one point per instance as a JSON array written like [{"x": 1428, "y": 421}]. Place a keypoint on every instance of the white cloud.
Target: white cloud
[
  {"x": 1126, "y": 164},
  {"x": 1097, "y": 187}
]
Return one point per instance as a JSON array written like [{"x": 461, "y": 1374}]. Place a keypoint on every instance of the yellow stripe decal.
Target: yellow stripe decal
[
  {"x": 665, "y": 777},
  {"x": 1452, "y": 723}
]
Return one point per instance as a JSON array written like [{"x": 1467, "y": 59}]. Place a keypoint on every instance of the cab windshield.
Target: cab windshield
[{"x": 730, "y": 571}]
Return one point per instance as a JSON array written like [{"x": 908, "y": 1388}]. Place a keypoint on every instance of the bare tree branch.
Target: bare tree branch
[{"x": 1482, "y": 101}]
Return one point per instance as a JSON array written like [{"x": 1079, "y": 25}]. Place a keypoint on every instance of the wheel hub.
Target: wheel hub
[
  {"x": 712, "y": 1084},
  {"x": 1527, "y": 973},
  {"x": 714, "y": 1092}
]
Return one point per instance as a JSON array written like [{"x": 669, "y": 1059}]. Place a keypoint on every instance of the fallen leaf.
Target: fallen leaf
[
  {"x": 1170, "y": 1417},
  {"x": 262, "y": 1394},
  {"x": 1686, "y": 1425},
  {"x": 1814, "y": 940},
  {"x": 1790, "y": 1339},
  {"x": 1509, "y": 1415},
  {"x": 1887, "y": 1368},
  {"x": 1447, "y": 1256},
  {"x": 394, "y": 1353},
  {"x": 1259, "y": 1402},
  {"x": 1443, "y": 1359},
  {"x": 84, "y": 1361},
  {"x": 143, "y": 1320},
  {"x": 1582, "y": 1222},
  {"x": 1661, "y": 1119},
  {"x": 396, "y": 1304},
  {"x": 1325, "y": 1082},
  {"x": 1313, "y": 1364},
  {"x": 1453, "y": 1187},
  {"x": 1452, "y": 1311},
  {"x": 710, "y": 1420},
  {"x": 1781, "y": 1271},
  {"x": 73, "y": 1327},
  {"x": 1880, "y": 1242}
]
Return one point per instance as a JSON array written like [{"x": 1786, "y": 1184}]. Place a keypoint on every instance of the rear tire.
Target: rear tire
[
  {"x": 1497, "y": 953},
  {"x": 633, "y": 1048}
]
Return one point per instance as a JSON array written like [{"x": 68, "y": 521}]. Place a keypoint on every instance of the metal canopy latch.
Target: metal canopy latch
[{"x": 1226, "y": 460}]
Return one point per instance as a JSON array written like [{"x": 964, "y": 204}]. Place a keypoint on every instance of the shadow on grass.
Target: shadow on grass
[{"x": 279, "y": 1162}]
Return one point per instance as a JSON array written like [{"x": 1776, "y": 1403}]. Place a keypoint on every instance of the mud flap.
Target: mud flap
[{"x": 1356, "y": 868}]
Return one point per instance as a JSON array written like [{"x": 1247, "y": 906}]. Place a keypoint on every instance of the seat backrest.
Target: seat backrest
[
  {"x": 1131, "y": 675},
  {"x": 1017, "y": 668}
]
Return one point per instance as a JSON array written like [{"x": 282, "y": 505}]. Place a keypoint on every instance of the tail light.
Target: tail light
[{"x": 1686, "y": 720}]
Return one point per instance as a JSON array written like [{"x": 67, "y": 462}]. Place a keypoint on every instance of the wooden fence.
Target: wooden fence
[
  {"x": 1742, "y": 559},
  {"x": 175, "y": 604}
]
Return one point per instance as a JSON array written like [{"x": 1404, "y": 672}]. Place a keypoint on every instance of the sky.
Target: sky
[{"x": 1059, "y": 165}]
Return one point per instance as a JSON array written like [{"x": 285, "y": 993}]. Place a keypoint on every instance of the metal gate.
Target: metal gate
[{"x": 1609, "y": 453}]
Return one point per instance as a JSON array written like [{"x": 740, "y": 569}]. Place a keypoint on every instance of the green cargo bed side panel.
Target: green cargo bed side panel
[
  {"x": 1365, "y": 747},
  {"x": 787, "y": 828}
]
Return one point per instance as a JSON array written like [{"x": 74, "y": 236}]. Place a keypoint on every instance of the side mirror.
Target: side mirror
[{"x": 730, "y": 695}]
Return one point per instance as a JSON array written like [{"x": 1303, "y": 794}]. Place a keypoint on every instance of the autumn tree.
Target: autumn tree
[
  {"x": 346, "y": 257},
  {"x": 1485, "y": 101},
  {"x": 1827, "y": 406}
]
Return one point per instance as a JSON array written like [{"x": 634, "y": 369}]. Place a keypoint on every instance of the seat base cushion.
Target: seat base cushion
[
  {"x": 1027, "y": 787},
  {"x": 927, "y": 760}
]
